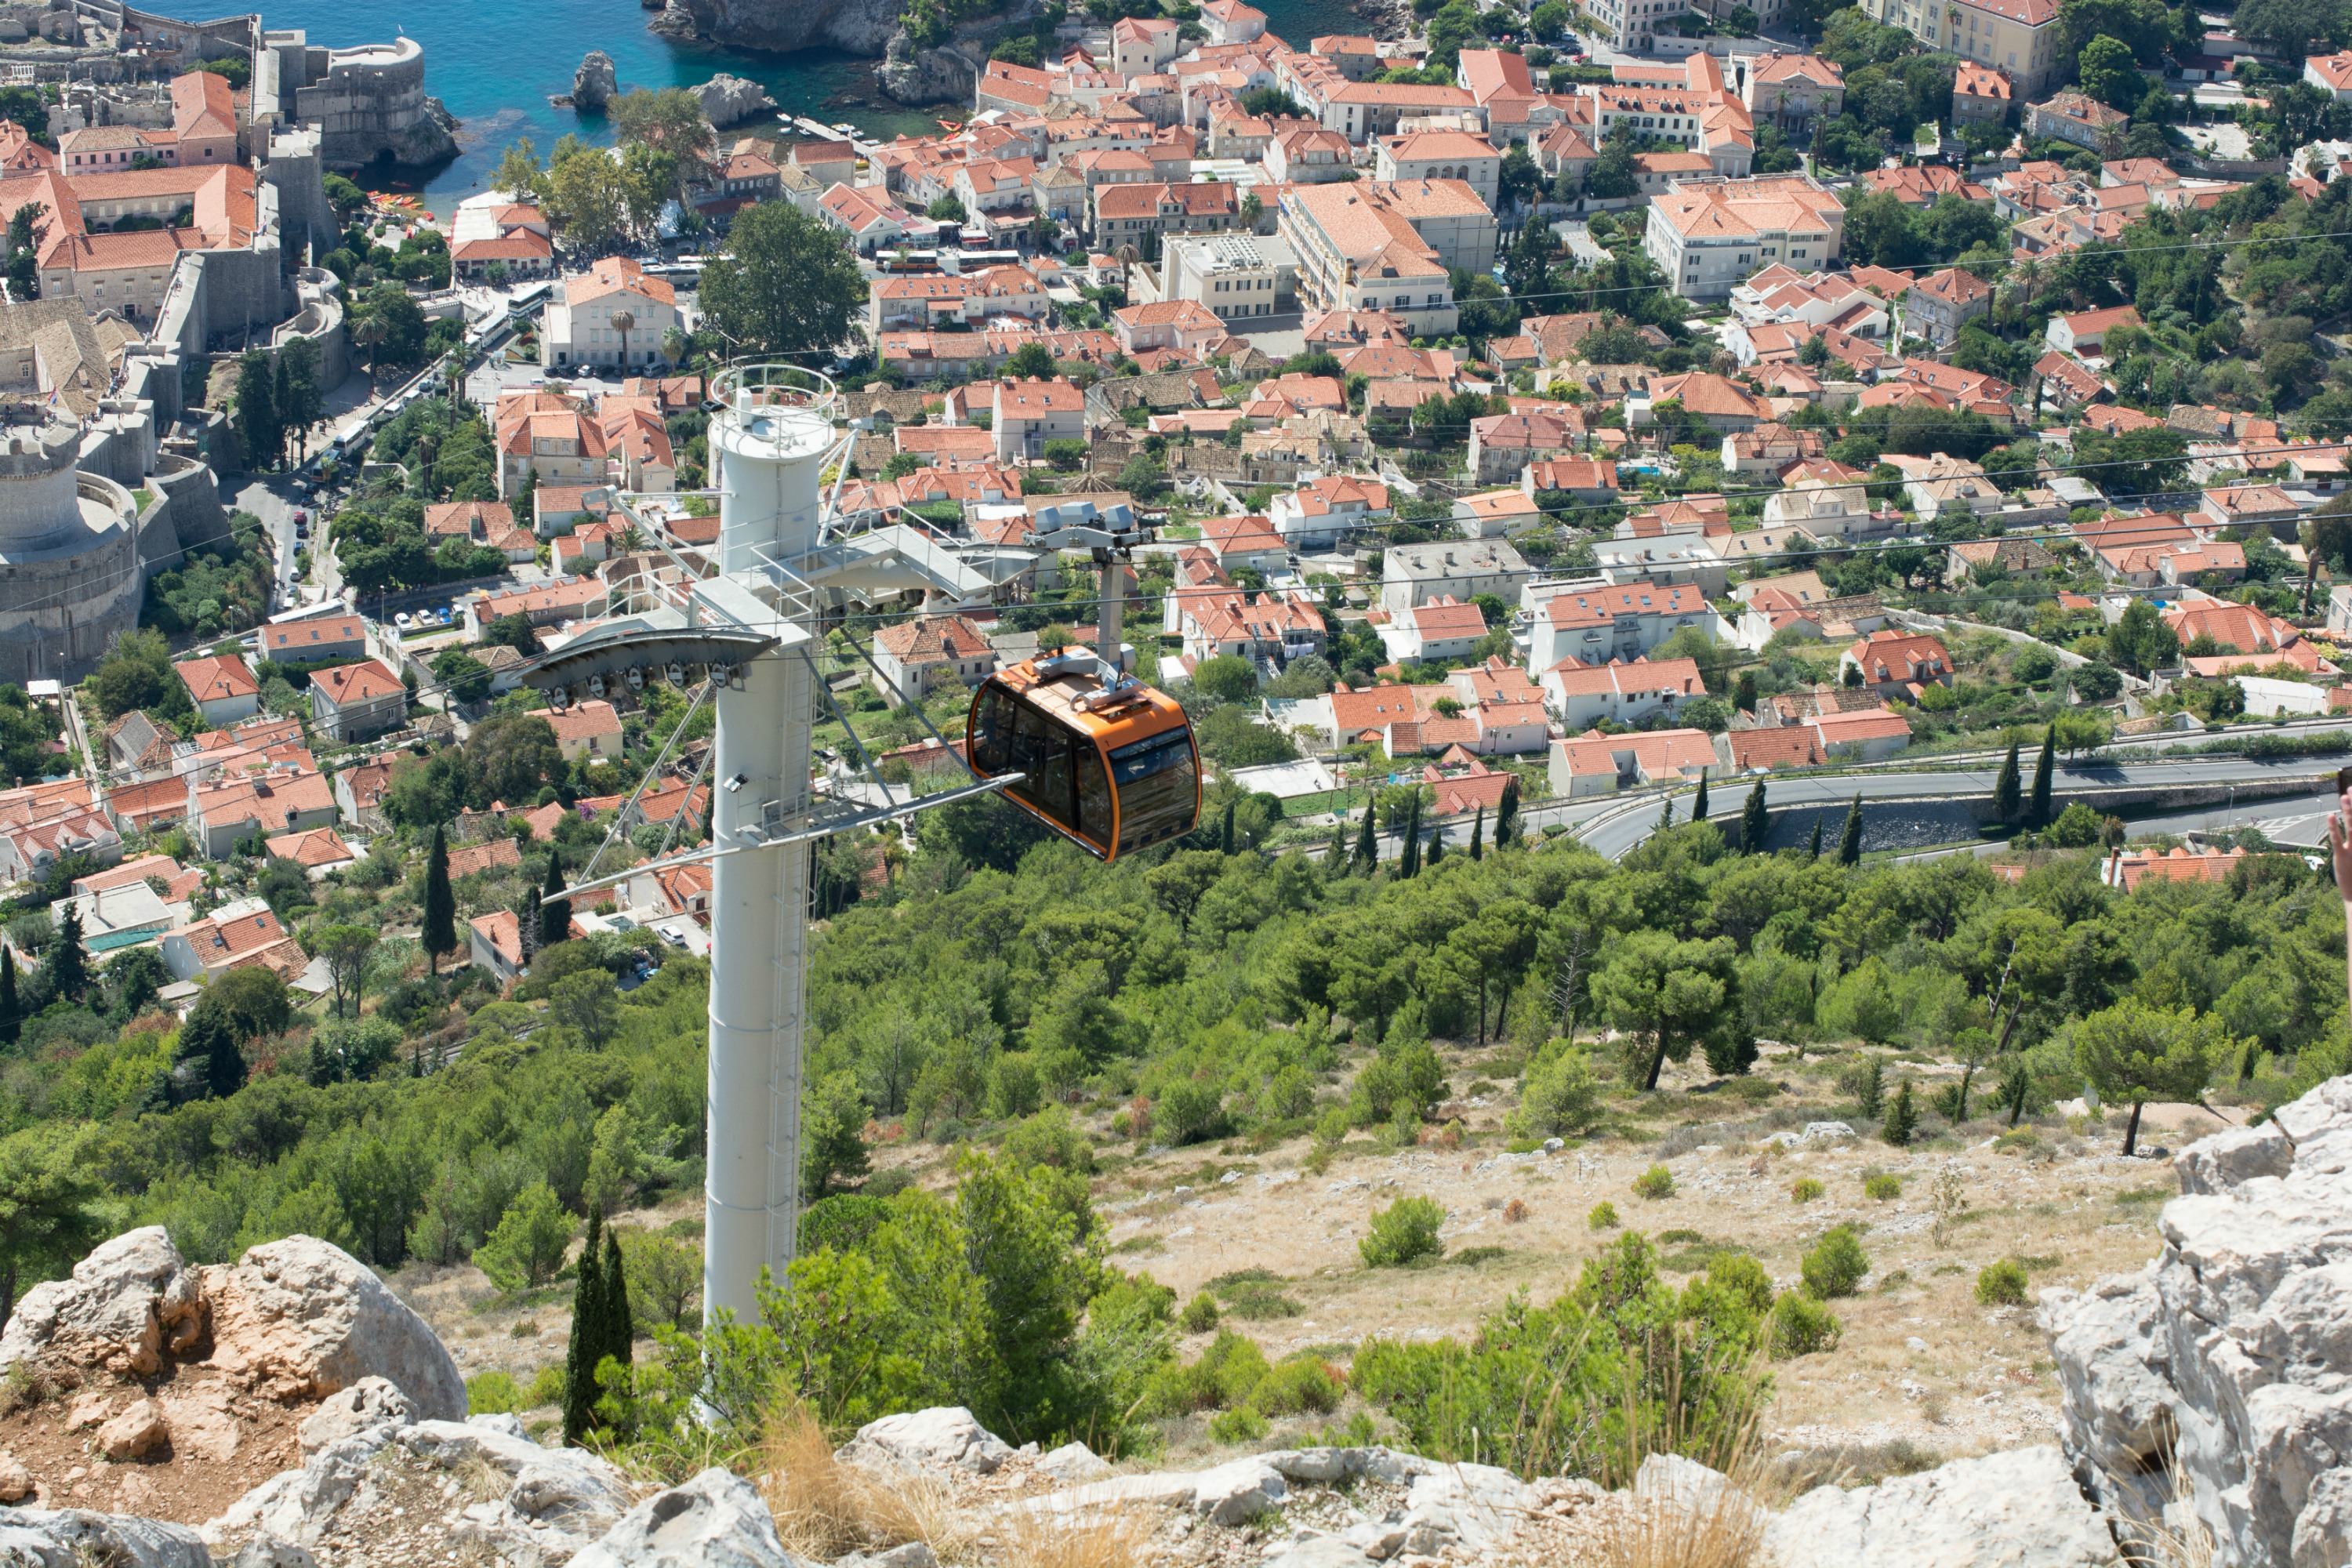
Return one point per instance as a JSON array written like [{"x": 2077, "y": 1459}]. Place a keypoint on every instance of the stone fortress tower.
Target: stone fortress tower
[{"x": 69, "y": 574}]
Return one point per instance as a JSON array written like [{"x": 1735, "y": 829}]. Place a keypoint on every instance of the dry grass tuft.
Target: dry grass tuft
[
  {"x": 1117, "y": 1539},
  {"x": 825, "y": 1508},
  {"x": 1689, "y": 1520},
  {"x": 2156, "y": 1544}
]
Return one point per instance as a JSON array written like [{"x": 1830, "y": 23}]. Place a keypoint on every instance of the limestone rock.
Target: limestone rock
[
  {"x": 268, "y": 1551},
  {"x": 2020, "y": 1508},
  {"x": 910, "y": 1554},
  {"x": 715, "y": 1520},
  {"x": 304, "y": 1319},
  {"x": 729, "y": 99},
  {"x": 2323, "y": 1530},
  {"x": 124, "y": 1306},
  {"x": 943, "y": 1437},
  {"x": 2235, "y": 1338},
  {"x": 1074, "y": 1464},
  {"x": 596, "y": 83},
  {"x": 16, "y": 1480},
  {"x": 1320, "y": 1552},
  {"x": 369, "y": 1402},
  {"x": 1473, "y": 1508},
  {"x": 913, "y": 76},
  {"x": 71, "y": 1537},
  {"x": 300, "y": 1505},
  {"x": 1238, "y": 1489},
  {"x": 138, "y": 1432},
  {"x": 857, "y": 26}
]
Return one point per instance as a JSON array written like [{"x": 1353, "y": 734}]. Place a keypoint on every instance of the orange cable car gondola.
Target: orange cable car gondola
[{"x": 1104, "y": 760}]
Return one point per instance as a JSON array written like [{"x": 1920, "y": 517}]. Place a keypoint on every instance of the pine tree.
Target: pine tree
[
  {"x": 1477, "y": 835},
  {"x": 1699, "y": 802},
  {"x": 1755, "y": 822},
  {"x": 1227, "y": 844},
  {"x": 208, "y": 1049},
  {"x": 1901, "y": 1118},
  {"x": 554, "y": 908},
  {"x": 1506, "y": 815},
  {"x": 588, "y": 1333},
  {"x": 1813, "y": 850},
  {"x": 2006, "y": 794},
  {"x": 68, "y": 961},
  {"x": 1666, "y": 815},
  {"x": 11, "y": 1009},
  {"x": 1849, "y": 841},
  {"x": 440, "y": 933},
  {"x": 2037, "y": 814},
  {"x": 1368, "y": 844}
]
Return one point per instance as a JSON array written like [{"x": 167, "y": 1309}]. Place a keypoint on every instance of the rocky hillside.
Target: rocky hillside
[{"x": 289, "y": 1410}]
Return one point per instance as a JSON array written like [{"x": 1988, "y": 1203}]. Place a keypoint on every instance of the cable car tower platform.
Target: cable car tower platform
[{"x": 745, "y": 620}]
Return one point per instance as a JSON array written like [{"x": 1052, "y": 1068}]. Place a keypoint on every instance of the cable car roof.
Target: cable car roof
[{"x": 637, "y": 643}]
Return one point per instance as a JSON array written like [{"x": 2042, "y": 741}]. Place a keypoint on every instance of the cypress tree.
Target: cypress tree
[
  {"x": 2006, "y": 797},
  {"x": 1227, "y": 843},
  {"x": 554, "y": 908},
  {"x": 527, "y": 922},
  {"x": 1901, "y": 1117},
  {"x": 1699, "y": 802},
  {"x": 1409, "y": 853},
  {"x": 1477, "y": 835},
  {"x": 1367, "y": 842},
  {"x": 620, "y": 1331},
  {"x": 208, "y": 1046},
  {"x": 11, "y": 1009},
  {"x": 69, "y": 960},
  {"x": 1849, "y": 841},
  {"x": 1436, "y": 846},
  {"x": 2037, "y": 814},
  {"x": 1666, "y": 815},
  {"x": 1506, "y": 814},
  {"x": 1755, "y": 822},
  {"x": 588, "y": 1330},
  {"x": 440, "y": 933},
  {"x": 1813, "y": 850}
]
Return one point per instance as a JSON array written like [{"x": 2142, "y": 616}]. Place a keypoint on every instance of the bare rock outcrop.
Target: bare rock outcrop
[
  {"x": 297, "y": 1319},
  {"x": 72, "y": 1538},
  {"x": 596, "y": 83},
  {"x": 2224, "y": 1360},
  {"x": 729, "y": 99},
  {"x": 716, "y": 1519}
]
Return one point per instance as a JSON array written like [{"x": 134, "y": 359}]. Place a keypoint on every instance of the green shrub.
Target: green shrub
[
  {"x": 1200, "y": 1314},
  {"x": 1227, "y": 1370},
  {"x": 1403, "y": 1232},
  {"x": 1255, "y": 1300},
  {"x": 1561, "y": 1097},
  {"x": 1540, "y": 1390},
  {"x": 1835, "y": 1264},
  {"x": 1298, "y": 1384},
  {"x": 2001, "y": 1284},
  {"x": 1603, "y": 1217},
  {"x": 1882, "y": 1186},
  {"x": 1802, "y": 1326},
  {"x": 492, "y": 1394},
  {"x": 1739, "y": 1272},
  {"x": 1653, "y": 1184},
  {"x": 1239, "y": 1424},
  {"x": 547, "y": 1388},
  {"x": 1807, "y": 1189}
]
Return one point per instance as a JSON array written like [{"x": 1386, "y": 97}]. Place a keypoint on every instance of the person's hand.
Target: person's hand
[{"x": 2340, "y": 841}]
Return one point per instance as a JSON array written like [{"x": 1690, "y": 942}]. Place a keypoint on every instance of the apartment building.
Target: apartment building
[
  {"x": 1357, "y": 253},
  {"x": 2021, "y": 37},
  {"x": 1708, "y": 236},
  {"x": 1232, "y": 275},
  {"x": 1442, "y": 155}
]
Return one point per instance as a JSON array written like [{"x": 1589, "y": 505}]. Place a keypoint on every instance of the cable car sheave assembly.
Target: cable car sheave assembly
[
  {"x": 1104, "y": 760},
  {"x": 1071, "y": 737}
]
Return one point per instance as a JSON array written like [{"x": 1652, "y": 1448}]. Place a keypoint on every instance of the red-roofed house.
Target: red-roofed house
[
  {"x": 1273, "y": 627},
  {"x": 352, "y": 702},
  {"x": 1031, "y": 413},
  {"x": 2128, "y": 869},
  {"x": 318, "y": 850},
  {"x": 591, "y": 729},
  {"x": 1621, "y": 691},
  {"x": 613, "y": 316},
  {"x": 914, "y": 656},
  {"x": 493, "y": 943},
  {"x": 230, "y": 938},
  {"x": 1898, "y": 662},
  {"x": 2085, "y": 331},
  {"x": 1594, "y": 763},
  {"x": 223, "y": 689},
  {"x": 315, "y": 640},
  {"x": 1442, "y": 628},
  {"x": 1864, "y": 733}
]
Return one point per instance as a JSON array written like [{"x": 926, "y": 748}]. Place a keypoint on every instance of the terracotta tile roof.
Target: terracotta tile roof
[
  {"x": 495, "y": 854},
  {"x": 1784, "y": 746},
  {"x": 932, "y": 639},
  {"x": 213, "y": 680},
  {"x": 362, "y": 683},
  {"x": 615, "y": 275},
  {"x": 503, "y": 932},
  {"x": 313, "y": 846}
]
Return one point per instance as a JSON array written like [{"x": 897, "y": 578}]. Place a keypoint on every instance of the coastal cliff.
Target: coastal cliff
[{"x": 860, "y": 27}]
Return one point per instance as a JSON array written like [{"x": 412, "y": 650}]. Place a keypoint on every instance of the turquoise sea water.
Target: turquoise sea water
[{"x": 496, "y": 62}]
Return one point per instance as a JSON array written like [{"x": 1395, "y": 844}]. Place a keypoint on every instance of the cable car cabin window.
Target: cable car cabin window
[
  {"x": 1159, "y": 788},
  {"x": 1041, "y": 749},
  {"x": 992, "y": 732}
]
